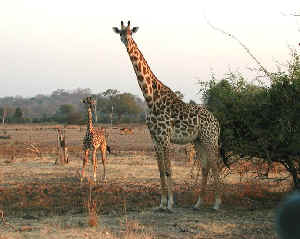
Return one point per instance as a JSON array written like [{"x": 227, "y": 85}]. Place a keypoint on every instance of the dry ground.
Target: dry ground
[{"x": 42, "y": 200}]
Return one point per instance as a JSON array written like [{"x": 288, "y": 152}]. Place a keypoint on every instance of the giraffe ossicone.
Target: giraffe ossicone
[
  {"x": 93, "y": 140},
  {"x": 170, "y": 120}
]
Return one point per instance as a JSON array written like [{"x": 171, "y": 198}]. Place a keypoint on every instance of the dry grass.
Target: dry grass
[{"x": 40, "y": 199}]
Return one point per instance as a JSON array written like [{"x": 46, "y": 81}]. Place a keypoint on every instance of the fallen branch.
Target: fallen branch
[
  {"x": 34, "y": 148},
  {"x": 3, "y": 220},
  {"x": 277, "y": 180}
]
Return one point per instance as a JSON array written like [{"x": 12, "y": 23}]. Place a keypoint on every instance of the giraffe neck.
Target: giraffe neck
[
  {"x": 90, "y": 126},
  {"x": 151, "y": 87}
]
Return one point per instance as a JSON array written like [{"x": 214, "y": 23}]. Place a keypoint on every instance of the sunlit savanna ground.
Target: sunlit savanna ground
[{"x": 42, "y": 200}]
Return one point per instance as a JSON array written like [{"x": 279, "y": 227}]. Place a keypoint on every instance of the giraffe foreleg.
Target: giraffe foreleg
[
  {"x": 163, "y": 185},
  {"x": 161, "y": 141},
  {"x": 168, "y": 172},
  {"x": 85, "y": 161},
  {"x": 165, "y": 170}
]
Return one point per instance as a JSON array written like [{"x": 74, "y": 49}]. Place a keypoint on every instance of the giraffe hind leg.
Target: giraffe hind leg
[
  {"x": 103, "y": 157},
  {"x": 202, "y": 194},
  {"x": 95, "y": 164},
  {"x": 202, "y": 156},
  {"x": 217, "y": 185},
  {"x": 209, "y": 163}
]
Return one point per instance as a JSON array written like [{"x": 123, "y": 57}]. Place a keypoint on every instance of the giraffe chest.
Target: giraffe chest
[{"x": 93, "y": 140}]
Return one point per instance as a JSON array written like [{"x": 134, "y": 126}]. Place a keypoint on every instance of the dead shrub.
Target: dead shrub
[{"x": 92, "y": 208}]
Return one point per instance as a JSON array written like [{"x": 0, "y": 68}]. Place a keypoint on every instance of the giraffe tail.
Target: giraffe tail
[
  {"x": 224, "y": 157},
  {"x": 108, "y": 148}
]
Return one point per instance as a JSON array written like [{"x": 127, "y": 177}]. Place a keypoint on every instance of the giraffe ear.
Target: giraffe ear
[
  {"x": 135, "y": 29},
  {"x": 116, "y": 30}
]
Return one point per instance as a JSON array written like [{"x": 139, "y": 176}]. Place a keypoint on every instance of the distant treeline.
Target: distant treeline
[{"x": 63, "y": 106}]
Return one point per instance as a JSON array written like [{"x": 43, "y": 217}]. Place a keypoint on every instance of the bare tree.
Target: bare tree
[
  {"x": 111, "y": 93},
  {"x": 95, "y": 109},
  {"x": 4, "y": 115},
  {"x": 62, "y": 149},
  {"x": 295, "y": 14}
]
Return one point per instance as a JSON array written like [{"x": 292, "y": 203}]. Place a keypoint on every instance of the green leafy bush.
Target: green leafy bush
[{"x": 260, "y": 121}]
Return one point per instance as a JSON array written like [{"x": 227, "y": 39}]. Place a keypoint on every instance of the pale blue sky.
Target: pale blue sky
[{"x": 55, "y": 44}]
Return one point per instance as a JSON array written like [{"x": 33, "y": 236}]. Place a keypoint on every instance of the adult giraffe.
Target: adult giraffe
[{"x": 170, "y": 120}]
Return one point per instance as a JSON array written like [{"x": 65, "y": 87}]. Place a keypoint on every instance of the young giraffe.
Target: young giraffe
[
  {"x": 94, "y": 138},
  {"x": 170, "y": 120}
]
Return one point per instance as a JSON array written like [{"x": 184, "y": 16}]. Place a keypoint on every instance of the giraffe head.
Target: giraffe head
[
  {"x": 125, "y": 32},
  {"x": 90, "y": 101}
]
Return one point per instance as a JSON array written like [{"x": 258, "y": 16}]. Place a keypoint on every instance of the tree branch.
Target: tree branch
[{"x": 267, "y": 73}]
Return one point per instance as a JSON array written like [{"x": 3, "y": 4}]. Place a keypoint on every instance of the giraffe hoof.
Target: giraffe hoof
[
  {"x": 160, "y": 209},
  {"x": 196, "y": 208},
  {"x": 216, "y": 208},
  {"x": 168, "y": 210},
  {"x": 164, "y": 210}
]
